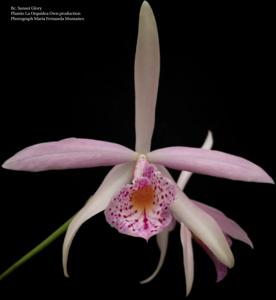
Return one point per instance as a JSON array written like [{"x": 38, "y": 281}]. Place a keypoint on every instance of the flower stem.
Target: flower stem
[{"x": 36, "y": 249}]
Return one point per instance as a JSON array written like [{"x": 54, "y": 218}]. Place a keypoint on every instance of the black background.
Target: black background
[{"x": 76, "y": 79}]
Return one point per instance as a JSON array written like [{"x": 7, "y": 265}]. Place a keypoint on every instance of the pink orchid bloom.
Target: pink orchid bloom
[{"x": 138, "y": 195}]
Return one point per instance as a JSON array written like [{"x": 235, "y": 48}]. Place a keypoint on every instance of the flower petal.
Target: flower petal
[
  {"x": 141, "y": 209},
  {"x": 69, "y": 154},
  {"x": 188, "y": 256},
  {"x": 209, "y": 162},
  {"x": 221, "y": 269},
  {"x": 147, "y": 67},
  {"x": 162, "y": 242},
  {"x": 113, "y": 182},
  {"x": 203, "y": 227},
  {"x": 227, "y": 225},
  {"x": 185, "y": 175}
]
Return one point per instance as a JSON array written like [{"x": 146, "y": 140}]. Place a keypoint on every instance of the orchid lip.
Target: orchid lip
[{"x": 141, "y": 208}]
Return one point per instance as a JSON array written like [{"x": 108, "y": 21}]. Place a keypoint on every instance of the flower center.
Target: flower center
[
  {"x": 142, "y": 199},
  {"x": 141, "y": 208}
]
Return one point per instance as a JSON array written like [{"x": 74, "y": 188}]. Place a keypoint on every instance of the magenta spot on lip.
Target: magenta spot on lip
[{"x": 146, "y": 226}]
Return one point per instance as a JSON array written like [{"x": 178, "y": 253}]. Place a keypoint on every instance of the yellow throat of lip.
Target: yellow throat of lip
[{"x": 143, "y": 198}]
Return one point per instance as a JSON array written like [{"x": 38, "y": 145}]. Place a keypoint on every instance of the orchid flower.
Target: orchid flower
[{"x": 138, "y": 196}]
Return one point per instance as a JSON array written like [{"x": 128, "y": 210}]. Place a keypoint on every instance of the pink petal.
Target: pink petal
[
  {"x": 141, "y": 209},
  {"x": 185, "y": 175},
  {"x": 188, "y": 257},
  {"x": 209, "y": 162},
  {"x": 203, "y": 226},
  {"x": 147, "y": 67},
  {"x": 162, "y": 242},
  {"x": 172, "y": 225},
  {"x": 221, "y": 269},
  {"x": 113, "y": 182},
  {"x": 227, "y": 225},
  {"x": 69, "y": 154}
]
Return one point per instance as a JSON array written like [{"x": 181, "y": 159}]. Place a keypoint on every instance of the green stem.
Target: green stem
[{"x": 36, "y": 249}]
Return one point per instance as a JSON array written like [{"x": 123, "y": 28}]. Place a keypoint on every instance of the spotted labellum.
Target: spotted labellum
[
  {"x": 138, "y": 196},
  {"x": 142, "y": 208}
]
